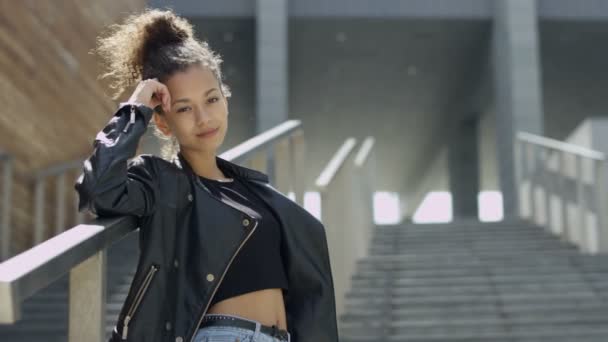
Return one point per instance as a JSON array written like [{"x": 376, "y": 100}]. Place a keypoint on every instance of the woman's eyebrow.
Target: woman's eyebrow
[
  {"x": 180, "y": 100},
  {"x": 210, "y": 90},
  {"x": 187, "y": 100}
]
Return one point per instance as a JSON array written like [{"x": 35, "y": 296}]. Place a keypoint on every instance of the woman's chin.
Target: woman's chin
[{"x": 206, "y": 148}]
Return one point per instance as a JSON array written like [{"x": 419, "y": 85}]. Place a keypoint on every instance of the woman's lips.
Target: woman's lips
[{"x": 205, "y": 135}]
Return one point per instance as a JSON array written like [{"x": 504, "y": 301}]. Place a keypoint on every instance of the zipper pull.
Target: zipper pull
[
  {"x": 131, "y": 119},
  {"x": 125, "y": 328}
]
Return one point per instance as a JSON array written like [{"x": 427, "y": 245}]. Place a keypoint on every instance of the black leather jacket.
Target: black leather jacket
[{"x": 184, "y": 257}]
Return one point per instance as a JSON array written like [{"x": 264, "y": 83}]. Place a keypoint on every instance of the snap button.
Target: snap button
[
  {"x": 168, "y": 325},
  {"x": 210, "y": 277},
  {"x": 245, "y": 222},
  {"x": 179, "y": 339},
  {"x": 190, "y": 197},
  {"x": 175, "y": 263}
]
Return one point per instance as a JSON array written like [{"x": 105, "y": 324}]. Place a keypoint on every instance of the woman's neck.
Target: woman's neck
[{"x": 203, "y": 164}]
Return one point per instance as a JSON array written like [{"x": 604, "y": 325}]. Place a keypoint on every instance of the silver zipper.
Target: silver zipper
[
  {"x": 131, "y": 119},
  {"x": 140, "y": 294},
  {"x": 222, "y": 278}
]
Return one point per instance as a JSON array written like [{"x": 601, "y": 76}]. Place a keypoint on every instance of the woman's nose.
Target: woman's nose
[{"x": 202, "y": 116}]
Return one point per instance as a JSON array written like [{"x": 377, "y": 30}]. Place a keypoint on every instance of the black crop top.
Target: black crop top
[{"x": 259, "y": 264}]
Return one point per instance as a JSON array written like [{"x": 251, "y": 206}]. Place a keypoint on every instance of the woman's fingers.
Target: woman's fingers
[
  {"x": 165, "y": 97},
  {"x": 153, "y": 93},
  {"x": 160, "y": 93}
]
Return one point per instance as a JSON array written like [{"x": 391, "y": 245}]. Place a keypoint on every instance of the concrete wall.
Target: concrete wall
[
  {"x": 487, "y": 153},
  {"x": 461, "y": 9},
  {"x": 397, "y": 93},
  {"x": 573, "y": 73},
  {"x": 436, "y": 179}
]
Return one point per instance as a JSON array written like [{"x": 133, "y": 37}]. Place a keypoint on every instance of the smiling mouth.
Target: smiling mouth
[{"x": 204, "y": 135}]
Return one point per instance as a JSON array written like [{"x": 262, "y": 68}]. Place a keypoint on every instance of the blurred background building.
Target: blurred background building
[
  {"x": 489, "y": 119},
  {"x": 443, "y": 85}
]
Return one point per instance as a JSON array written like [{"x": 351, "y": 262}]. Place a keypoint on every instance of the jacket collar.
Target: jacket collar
[{"x": 227, "y": 167}]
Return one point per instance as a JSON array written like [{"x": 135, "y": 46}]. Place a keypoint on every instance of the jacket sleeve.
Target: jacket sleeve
[{"x": 110, "y": 183}]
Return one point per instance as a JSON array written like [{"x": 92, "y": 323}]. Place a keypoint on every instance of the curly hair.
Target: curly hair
[{"x": 154, "y": 44}]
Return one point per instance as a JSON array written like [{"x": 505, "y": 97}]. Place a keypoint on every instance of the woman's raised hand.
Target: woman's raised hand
[{"x": 152, "y": 93}]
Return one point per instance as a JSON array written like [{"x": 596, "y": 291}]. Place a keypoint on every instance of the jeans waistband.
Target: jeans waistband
[{"x": 242, "y": 322}]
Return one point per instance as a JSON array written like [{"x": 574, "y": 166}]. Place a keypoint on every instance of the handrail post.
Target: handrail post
[
  {"x": 60, "y": 204},
  {"x": 583, "y": 236},
  {"x": 259, "y": 161},
  {"x": 10, "y": 310},
  {"x": 39, "y": 196},
  {"x": 601, "y": 206},
  {"x": 5, "y": 224},
  {"x": 363, "y": 205},
  {"x": 563, "y": 202},
  {"x": 282, "y": 166},
  {"x": 532, "y": 167},
  {"x": 300, "y": 170},
  {"x": 336, "y": 223},
  {"x": 520, "y": 167},
  {"x": 78, "y": 216},
  {"x": 548, "y": 186},
  {"x": 335, "y": 186},
  {"x": 88, "y": 285}
]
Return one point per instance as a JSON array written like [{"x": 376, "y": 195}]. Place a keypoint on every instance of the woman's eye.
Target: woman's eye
[
  {"x": 182, "y": 109},
  {"x": 213, "y": 99}
]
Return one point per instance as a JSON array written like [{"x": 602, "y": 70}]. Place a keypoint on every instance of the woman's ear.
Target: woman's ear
[{"x": 161, "y": 122}]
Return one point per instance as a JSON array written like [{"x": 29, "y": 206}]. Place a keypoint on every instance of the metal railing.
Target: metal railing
[
  {"x": 6, "y": 162},
  {"x": 563, "y": 187},
  {"x": 346, "y": 191},
  {"x": 63, "y": 176},
  {"x": 284, "y": 147},
  {"x": 81, "y": 250}
]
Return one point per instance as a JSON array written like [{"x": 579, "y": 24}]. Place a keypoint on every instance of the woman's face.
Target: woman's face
[{"x": 197, "y": 107}]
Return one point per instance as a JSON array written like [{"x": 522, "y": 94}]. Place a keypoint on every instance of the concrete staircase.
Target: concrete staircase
[
  {"x": 475, "y": 282},
  {"x": 45, "y": 315},
  {"x": 460, "y": 282}
]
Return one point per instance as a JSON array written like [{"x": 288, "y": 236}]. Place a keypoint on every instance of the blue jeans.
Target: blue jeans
[{"x": 234, "y": 334}]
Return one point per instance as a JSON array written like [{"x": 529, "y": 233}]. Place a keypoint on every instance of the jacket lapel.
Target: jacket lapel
[{"x": 226, "y": 166}]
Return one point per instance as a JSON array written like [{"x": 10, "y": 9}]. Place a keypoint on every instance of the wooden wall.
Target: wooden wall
[{"x": 51, "y": 102}]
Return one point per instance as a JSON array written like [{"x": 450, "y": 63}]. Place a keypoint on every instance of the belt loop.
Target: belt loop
[{"x": 258, "y": 326}]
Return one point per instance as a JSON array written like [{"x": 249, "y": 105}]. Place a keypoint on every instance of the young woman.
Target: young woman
[{"x": 223, "y": 255}]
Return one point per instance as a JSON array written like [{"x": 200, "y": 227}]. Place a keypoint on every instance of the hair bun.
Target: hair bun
[{"x": 164, "y": 28}]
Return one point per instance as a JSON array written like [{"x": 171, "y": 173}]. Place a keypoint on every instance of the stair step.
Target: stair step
[
  {"x": 475, "y": 283},
  {"x": 479, "y": 310},
  {"x": 503, "y": 280},
  {"x": 463, "y": 300}
]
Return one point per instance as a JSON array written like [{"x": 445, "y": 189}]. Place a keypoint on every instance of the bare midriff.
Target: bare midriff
[{"x": 265, "y": 306}]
